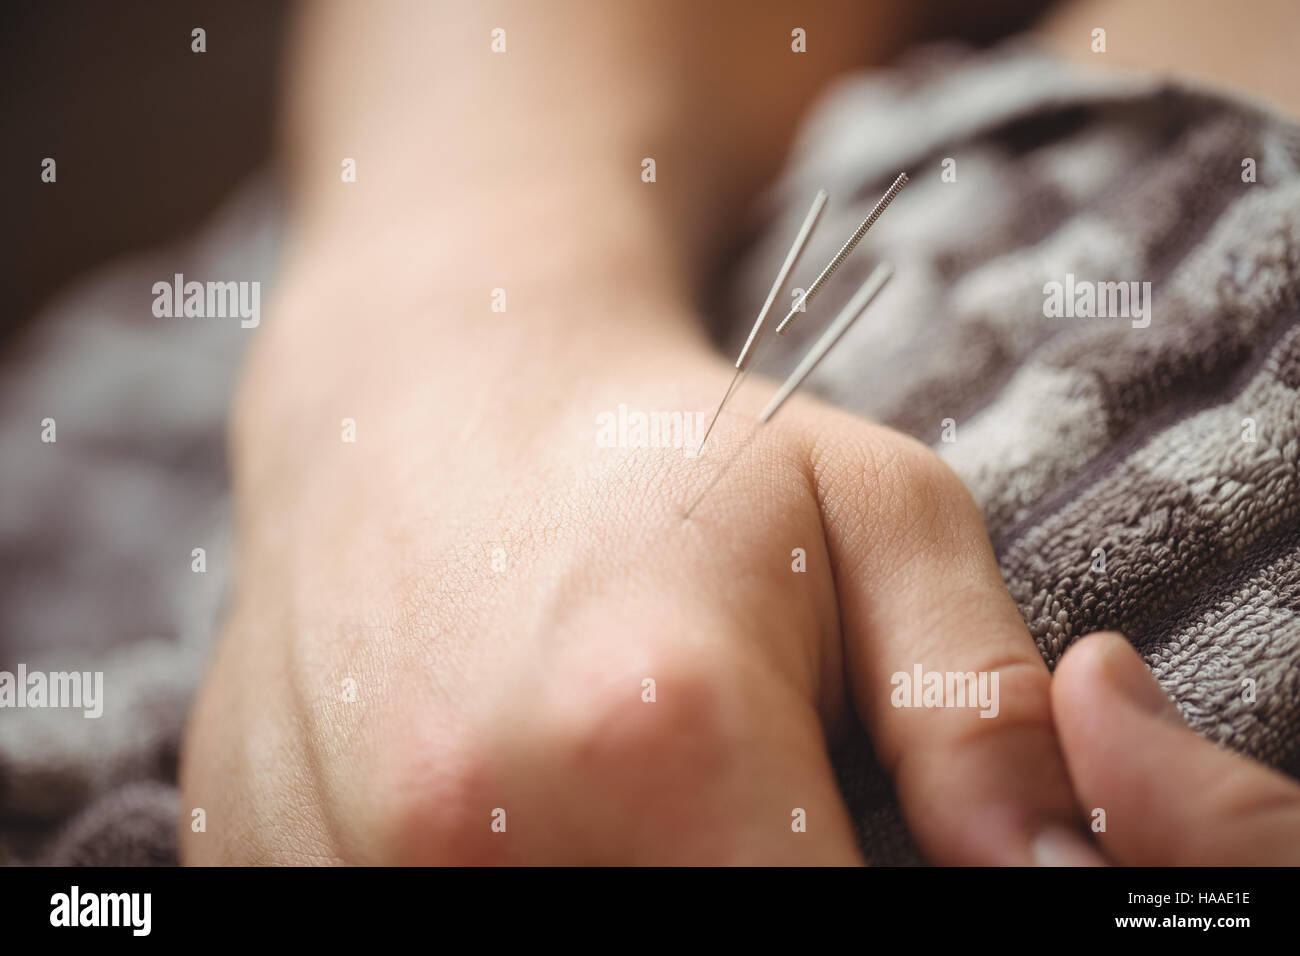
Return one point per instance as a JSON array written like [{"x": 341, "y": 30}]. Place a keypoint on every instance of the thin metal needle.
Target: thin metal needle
[
  {"x": 848, "y": 315},
  {"x": 726, "y": 467},
  {"x": 881, "y": 205},
  {"x": 792, "y": 257},
  {"x": 718, "y": 411},
  {"x": 796, "y": 250}
]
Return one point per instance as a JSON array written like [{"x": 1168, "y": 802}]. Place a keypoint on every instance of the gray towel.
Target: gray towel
[
  {"x": 1145, "y": 479},
  {"x": 1074, "y": 434}
]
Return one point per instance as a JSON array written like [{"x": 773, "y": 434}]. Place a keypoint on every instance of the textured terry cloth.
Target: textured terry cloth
[
  {"x": 1079, "y": 434},
  {"x": 1072, "y": 434},
  {"x": 96, "y": 536}
]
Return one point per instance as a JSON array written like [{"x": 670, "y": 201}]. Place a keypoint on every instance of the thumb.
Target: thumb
[{"x": 1170, "y": 797}]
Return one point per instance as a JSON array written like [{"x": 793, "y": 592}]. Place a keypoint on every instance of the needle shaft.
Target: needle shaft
[
  {"x": 849, "y": 244},
  {"x": 856, "y": 306},
  {"x": 848, "y": 315},
  {"x": 792, "y": 257}
]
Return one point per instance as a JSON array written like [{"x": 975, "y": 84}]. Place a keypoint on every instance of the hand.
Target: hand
[
  {"x": 1171, "y": 798},
  {"x": 521, "y": 688}
]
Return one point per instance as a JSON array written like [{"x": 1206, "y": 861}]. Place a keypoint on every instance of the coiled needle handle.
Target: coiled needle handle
[{"x": 881, "y": 205}]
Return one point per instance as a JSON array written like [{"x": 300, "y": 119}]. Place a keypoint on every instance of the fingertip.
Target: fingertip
[
  {"x": 1104, "y": 668},
  {"x": 1082, "y": 667},
  {"x": 1090, "y": 651},
  {"x": 1163, "y": 795}
]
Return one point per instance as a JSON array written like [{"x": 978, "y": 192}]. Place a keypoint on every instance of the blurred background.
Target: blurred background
[{"x": 113, "y": 92}]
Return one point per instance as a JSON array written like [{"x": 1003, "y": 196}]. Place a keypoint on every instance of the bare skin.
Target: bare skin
[
  {"x": 520, "y": 687},
  {"x": 1171, "y": 797},
  {"x": 1246, "y": 48}
]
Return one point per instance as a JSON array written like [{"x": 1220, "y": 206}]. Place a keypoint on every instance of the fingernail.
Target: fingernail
[
  {"x": 1128, "y": 676},
  {"x": 1060, "y": 846}
]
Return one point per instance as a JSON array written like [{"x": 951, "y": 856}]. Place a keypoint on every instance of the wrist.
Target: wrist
[{"x": 419, "y": 236}]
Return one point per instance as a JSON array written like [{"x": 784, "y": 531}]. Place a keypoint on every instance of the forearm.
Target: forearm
[{"x": 531, "y": 159}]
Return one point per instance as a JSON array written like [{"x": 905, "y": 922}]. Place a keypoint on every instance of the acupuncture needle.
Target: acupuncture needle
[
  {"x": 881, "y": 205},
  {"x": 792, "y": 257},
  {"x": 848, "y": 315},
  {"x": 801, "y": 306}
]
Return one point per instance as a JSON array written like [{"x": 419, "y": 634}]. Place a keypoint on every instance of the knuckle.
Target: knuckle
[
  {"x": 630, "y": 745},
  {"x": 909, "y": 496},
  {"x": 1022, "y": 719},
  {"x": 1024, "y": 701},
  {"x": 931, "y": 505},
  {"x": 623, "y": 756},
  {"x": 429, "y": 804}
]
